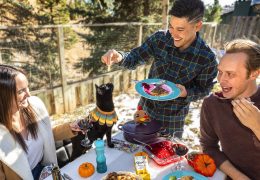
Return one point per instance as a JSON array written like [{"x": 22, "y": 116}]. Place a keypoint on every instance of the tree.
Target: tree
[
  {"x": 137, "y": 11},
  {"x": 122, "y": 38},
  {"x": 16, "y": 13},
  {"x": 41, "y": 44},
  {"x": 36, "y": 48},
  {"x": 213, "y": 12}
]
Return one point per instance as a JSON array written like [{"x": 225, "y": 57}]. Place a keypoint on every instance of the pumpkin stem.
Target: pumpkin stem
[{"x": 207, "y": 164}]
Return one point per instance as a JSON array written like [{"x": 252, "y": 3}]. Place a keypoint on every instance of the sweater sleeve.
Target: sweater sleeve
[
  {"x": 62, "y": 131},
  {"x": 139, "y": 55},
  {"x": 209, "y": 139}
]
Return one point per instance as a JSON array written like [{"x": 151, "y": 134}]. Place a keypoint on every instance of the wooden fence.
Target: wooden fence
[
  {"x": 216, "y": 35},
  {"x": 83, "y": 92},
  {"x": 67, "y": 97}
]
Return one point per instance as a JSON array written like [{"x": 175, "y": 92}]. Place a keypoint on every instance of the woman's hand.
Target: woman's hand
[{"x": 75, "y": 127}]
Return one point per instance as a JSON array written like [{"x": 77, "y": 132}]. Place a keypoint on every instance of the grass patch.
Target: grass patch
[{"x": 188, "y": 120}]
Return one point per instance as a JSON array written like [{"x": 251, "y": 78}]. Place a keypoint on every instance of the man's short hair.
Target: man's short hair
[
  {"x": 250, "y": 48},
  {"x": 193, "y": 10}
]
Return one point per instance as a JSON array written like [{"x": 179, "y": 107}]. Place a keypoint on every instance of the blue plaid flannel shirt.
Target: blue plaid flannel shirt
[{"x": 195, "y": 68}]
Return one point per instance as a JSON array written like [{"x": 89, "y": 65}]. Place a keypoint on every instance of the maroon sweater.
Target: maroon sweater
[{"x": 239, "y": 144}]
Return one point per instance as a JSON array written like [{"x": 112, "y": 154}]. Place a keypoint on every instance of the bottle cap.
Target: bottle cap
[{"x": 99, "y": 143}]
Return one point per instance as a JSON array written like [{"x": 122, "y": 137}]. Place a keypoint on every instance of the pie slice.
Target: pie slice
[{"x": 159, "y": 91}]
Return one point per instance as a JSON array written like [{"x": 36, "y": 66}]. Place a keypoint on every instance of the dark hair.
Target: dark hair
[
  {"x": 193, "y": 10},
  {"x": 8, "y": 94},
  {"x": 250, "y": 48}
]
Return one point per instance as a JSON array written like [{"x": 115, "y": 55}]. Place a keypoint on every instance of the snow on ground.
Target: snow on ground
[{"x": 125, "y": 106}]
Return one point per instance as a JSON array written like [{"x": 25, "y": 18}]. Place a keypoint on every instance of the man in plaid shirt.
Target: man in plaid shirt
[{"x": 180, "y": 56}]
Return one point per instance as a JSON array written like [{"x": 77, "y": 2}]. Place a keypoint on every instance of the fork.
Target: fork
[
  {"x": 160, "y": 83},
  {"x": 142, "y": 143},
  {"x": 66, "y": 176}
]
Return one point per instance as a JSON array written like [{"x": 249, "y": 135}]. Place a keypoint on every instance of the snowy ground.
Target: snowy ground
[{"x": 125, "y": 106}]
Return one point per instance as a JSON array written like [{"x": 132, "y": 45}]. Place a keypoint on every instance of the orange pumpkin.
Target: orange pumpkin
[
  {"x": 86, "y": 169},
  {"x": 204, "y": 165}
]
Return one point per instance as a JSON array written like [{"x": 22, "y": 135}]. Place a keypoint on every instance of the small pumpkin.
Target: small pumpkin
[
  {"x": 204, "y": 165},
  {"x": 86, "y": 169}
]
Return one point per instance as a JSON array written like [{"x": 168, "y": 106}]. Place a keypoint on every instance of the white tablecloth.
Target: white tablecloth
[{"x": 122, "y": 161}]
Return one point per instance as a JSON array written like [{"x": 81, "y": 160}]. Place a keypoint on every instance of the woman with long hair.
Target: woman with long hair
[{"x": 26, "y": 135}]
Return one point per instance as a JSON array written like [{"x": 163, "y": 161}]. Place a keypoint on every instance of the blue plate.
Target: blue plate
[
  {"x": 173, "y": 90},
  {"x": 179, "y": 174}
]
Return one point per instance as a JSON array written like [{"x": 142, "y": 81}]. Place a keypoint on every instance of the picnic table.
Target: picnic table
[{"x": 118, "y": 160}]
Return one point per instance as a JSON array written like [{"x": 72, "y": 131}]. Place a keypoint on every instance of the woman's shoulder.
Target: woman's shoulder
[
  {"x": 3, "y": 131},
  {"x": 35, "y": 101},
  {"x": 38, "y": 105}
]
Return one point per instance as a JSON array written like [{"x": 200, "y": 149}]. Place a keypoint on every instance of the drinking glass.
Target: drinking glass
[
  {"x": 85, "y": 126},
  {"x": 179, "y": 147}
]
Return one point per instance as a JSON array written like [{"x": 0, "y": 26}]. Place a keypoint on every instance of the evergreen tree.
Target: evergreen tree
[
  {"x": 41, "y": 44},
  {"x": 213, "y": 12},
  {"x": 137, "y": 11},
  {"x": 15, "y": 13},
  {"x": 38, "y": 45},
  {"x": 53, "y": 12},
  {"x": 122, "y": 37}
]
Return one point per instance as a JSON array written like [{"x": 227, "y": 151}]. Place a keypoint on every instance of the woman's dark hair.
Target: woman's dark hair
[
  {"x": 8, "y": 94},
  {"x": 193, "y": 10}
]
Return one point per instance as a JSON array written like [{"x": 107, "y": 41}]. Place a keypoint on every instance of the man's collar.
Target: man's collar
[{"x": 195, "y": 45}]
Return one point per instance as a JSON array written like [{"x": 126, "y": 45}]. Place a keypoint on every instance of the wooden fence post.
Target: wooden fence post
[
  {"x": 165, "y": 4},
  {"x": 214, "y": 35},
  {"x": 251, "y": 27},
  {"x": 1, "y": 61},
  {"x": 140, "y": 35},
  {"x": 62, "y": 67}
]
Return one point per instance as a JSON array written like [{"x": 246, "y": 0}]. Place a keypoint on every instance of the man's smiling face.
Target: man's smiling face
[{"x": 183, "y": 31}]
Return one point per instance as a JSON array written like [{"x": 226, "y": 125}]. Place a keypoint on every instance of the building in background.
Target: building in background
[{"x": 240, "y": 8}]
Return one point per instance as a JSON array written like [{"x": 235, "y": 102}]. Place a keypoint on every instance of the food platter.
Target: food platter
[
  {"x": 162, "y": 152},
  {"x": 157, "y": 89},
  {"x": 121, "y": 175}
]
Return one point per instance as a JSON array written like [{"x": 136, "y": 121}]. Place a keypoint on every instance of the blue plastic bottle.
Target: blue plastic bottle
[{"x": 100, "y": 159}]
